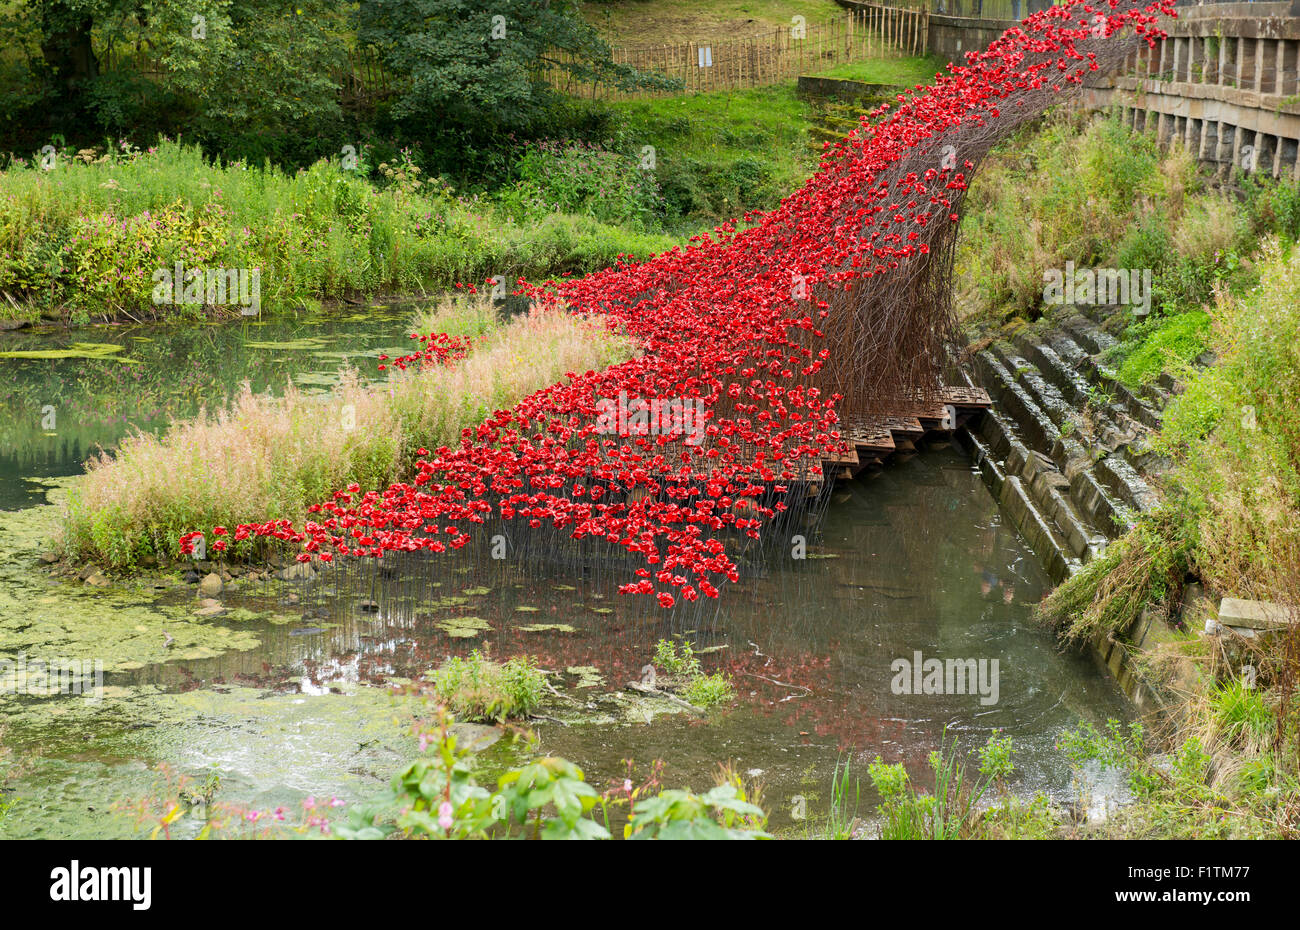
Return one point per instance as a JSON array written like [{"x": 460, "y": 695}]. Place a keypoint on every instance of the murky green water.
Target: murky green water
[
  {"x": 54, "y": 412},
  {"x": 285, "y": 696}
]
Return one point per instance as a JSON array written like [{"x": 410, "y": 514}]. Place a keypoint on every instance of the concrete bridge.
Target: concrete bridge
[{"x": 1226, "y": 80}]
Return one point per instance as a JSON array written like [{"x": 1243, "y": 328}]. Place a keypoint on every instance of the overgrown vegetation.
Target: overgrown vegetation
[
  {"x": 1093, "y": 192},
  {"x": 89, "y": 235},
  {"x": 480, "y": 690},
  {"x": 1231, "y": 518},
  {"x": 1232, "y": 509},
  {"x": 1224, "y": 778},
  {"x": 956, "y": 808},
  {"x": 1160, "y": 344},
  {"x": 685, "y": 675},
  {"x": 269, "y": 458}
]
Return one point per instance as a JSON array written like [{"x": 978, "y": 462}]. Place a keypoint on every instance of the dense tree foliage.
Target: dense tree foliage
[{"x": 288, "y": 81}]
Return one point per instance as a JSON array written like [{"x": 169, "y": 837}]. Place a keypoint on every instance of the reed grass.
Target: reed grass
[{"x": 269, "y": 458}]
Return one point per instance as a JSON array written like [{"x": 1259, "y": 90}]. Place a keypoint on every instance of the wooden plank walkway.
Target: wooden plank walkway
[{"x": 870, "y": 440}]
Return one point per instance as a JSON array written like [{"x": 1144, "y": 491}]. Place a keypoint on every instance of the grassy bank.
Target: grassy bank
[
  {"x": 86, "y": 237},
  {"x": 640, "y": 23},
  {"x": 1092, "y": 192},
  {"x": 720, "y": 154},
  {"x": 269, "y": 458},
  {"x": 1222, "y": 331}
]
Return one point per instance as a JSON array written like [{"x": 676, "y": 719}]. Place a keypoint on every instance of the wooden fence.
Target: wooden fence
[{"x": 869, "y": 31}]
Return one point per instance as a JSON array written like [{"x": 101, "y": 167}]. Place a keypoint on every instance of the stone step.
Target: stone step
[
  {"x": 1027, "y": 375},
  {"x": 1059, "y": 373},
  {"x": 1118, "y": 476},
  {"x": 1125, "y": 402},
  {"x": 1049, "y": 489},
  {"x": 1067, "y": 350},
  {"x": 1048, "y": 544},
  {"x": 1044, "y": 476},
  {"x": 1097, "y": 505},
  {"x": 1033, "y": 425},
  {"x": 1089, "y": 335},
  {"x": 1056, "y": 548},
  {"x": 1066, "y": 451},
  {"x": 996, "y": 434},
  {"x": 1154, "y": 395}
]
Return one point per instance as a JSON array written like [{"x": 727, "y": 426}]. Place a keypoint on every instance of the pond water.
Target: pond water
[{"x": 288, "y": 694}]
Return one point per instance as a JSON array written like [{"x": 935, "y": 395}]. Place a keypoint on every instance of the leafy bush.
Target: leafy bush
[
  {"x": 86, "y": 236},
  {"x": 438, "y": 797},
  {"x": 1100, "y": 195},
  {"x": 679, "y": 662},
  {"x": 584, "y": 179},
  {"x": 952, "y": 811},
  {"x": 676, "y": 658},
  {"x": 478, "y": 689},
  {"x": 708, "y": 690}
]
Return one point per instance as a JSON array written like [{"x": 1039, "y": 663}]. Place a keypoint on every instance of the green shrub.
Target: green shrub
[
  {"x": 708, "y": 690},
  {"x": 86, "y": 237},
  {"x": 478, "y": 689},
  {"x": 677, "y": 659}
]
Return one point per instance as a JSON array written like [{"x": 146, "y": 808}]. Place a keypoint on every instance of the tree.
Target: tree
[
  {"x": 482, "y": 64},
  {"x": 229, "y": 71}
]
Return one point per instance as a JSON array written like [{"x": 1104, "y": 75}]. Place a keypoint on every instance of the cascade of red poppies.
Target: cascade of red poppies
[{"x": 777, "y": 327}]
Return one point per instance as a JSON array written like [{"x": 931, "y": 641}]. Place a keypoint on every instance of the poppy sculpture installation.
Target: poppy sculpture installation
[{"x": 778, "y": 328}]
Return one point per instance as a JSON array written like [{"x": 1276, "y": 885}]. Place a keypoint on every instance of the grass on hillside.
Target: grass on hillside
[
  {"x": 642, "y": 23},
  {"x": 907, "y": 71},
  {"x": 270, "y": 458},
  {"x": 719, "y": 154}
]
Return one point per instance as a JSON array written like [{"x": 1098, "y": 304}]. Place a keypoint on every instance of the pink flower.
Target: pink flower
[{"x": 444, "y": 815}]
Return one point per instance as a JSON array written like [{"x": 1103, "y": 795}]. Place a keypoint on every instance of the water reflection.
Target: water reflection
[
  {"x": 918, "y": 559},
  {"x": 55, "y": 412},
  {"x": 915, "y": 559}
]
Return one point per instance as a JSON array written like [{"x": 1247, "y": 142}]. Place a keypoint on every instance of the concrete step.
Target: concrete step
[
  {"x": 1109, "y": 423},
  {"x": 1097, "y": 505},
  {"x": 1067, "y": 350},
  {"x": 1037, "y": 429},
  {"x": 1049, "y": 489},
  {"x": 1045, "y": 396},
  {"x": 1048, "y": 544}
]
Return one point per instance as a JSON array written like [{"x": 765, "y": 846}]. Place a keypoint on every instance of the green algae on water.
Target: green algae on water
[
  {"x": 463, "y": 627},
  {"x": 106, "y": 351}
]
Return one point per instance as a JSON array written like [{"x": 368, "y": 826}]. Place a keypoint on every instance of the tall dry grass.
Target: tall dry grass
[{"x": 269, "y": 458}]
